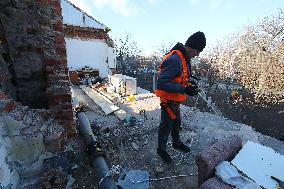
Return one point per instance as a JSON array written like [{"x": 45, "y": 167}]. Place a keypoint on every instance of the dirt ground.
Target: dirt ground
[{"x": 133, "y": 146}]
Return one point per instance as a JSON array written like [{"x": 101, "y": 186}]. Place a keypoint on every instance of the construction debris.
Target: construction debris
[
  {"x": 106, "y": 105},
  {"x": 124, "y": 85}
]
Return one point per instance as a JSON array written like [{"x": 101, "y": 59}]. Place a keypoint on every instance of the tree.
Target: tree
[
  {"x": 254, "y": 57},
  {"x": 127, "y": 53}
]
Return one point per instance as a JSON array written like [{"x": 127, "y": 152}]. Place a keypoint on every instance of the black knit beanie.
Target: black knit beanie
[{"x": 196, "y": 41}]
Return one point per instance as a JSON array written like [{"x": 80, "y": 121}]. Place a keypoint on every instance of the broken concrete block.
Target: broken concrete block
[
  {"x": 134, "y": 146},
  {"x": 209, "y": 158},
  {"x": 7, "y": 105},
  {"x": 121, "y": 114},
  {"x": 10, "y": 127},
  {"x": 15, "y": 179},
  {"x": 158, "y": 169},
  {"x": 3, "y": 154},
  {"x": 25, "y": 150},
  {"x": 214, "y": 183},
  {"x": 5, "y": 175},
  {"x": 8, "y": 178}
]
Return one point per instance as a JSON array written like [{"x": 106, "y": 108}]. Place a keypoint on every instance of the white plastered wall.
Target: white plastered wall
[{"x": 94, "y": 53}]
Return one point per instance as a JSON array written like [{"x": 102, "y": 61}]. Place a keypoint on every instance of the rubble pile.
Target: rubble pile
[{"x": 131, "y": 143}]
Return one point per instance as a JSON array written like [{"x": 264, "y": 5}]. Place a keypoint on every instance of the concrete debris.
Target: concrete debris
[
  {"x": 121, "y": 114},
  {"x": 70, "y": 182},
  {"x": 107, "y": 106},
  {"x": 134, "y": 146},
  {"x": 209, "y": 158},
  {"x": 146, "y": 141},
  {"x": 26, "y": 150},
  {"x": 10, "y": 127},
  {"x": 159, "y": 169},
  {"x": 5, "y": 175},
  {"x": 124, "y": 85},
  {"x": 75, "y": 167}
]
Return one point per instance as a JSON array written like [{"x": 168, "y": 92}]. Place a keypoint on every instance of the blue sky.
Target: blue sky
[{"x": 154, "y": 22}]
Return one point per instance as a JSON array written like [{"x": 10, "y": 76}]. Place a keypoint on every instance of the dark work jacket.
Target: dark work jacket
[{"x": 172, "y": 67}]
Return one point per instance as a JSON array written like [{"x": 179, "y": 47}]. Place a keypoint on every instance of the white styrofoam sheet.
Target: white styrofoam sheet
[{"x": 260, "y": 163}]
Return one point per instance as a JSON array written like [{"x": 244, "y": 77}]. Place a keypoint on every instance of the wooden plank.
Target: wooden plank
[
  {"x": 83, "y": 98},
  {"x": 106, "y": 105}
]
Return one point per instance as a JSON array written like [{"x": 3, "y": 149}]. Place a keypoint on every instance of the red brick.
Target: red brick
[
  {"x": 57, "y": 9},
  {"x": 70, "y": 128},
  {"x": 53, "y": 62},
  {"x": 58, "y": 27},
  {"x": 57, "y": 99},
  {"x": 61, "y": 51},
  {"x": 3, "y": 96},
  {"x": 66, "y": 70},
  {"x": 65, "y": 115},
  {"x": 59, "y": 40},
  {"x": 67, "y": 106},
  {"x": 10, "y": 106}
]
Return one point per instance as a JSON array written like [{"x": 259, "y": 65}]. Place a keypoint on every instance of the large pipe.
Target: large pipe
[{"x": 98, "y": 161}]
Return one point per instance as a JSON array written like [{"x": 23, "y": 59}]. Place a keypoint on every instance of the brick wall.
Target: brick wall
[
  {"x": 36, "y": 51},
  {"x": 86, "y": 33}
]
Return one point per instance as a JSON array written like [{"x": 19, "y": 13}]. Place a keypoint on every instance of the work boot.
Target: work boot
[
  {"x": 182, "y": 147},
  {"x": 164, "y": 155}
]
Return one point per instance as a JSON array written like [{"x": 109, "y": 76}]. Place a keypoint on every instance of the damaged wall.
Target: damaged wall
[
  {"x": 23, "y": 51},
  {"x": 87, "y": 41},
  {"x": 33, "y": 57},
  {"x": 93, "y": 53},
  {"x": 27, "y": 138}
]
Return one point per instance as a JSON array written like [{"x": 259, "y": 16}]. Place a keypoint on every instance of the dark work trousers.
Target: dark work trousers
[{"x": 168, "y": 125}]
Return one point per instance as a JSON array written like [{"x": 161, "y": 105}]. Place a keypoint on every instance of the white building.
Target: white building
[{"x": 87, "y": 41}]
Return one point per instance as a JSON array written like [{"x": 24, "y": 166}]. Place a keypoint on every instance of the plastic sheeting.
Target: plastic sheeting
[{"x": 229, "y": 174}]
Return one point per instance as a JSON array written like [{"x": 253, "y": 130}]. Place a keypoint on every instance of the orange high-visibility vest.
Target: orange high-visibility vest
[{"x": 183, "y": 79}]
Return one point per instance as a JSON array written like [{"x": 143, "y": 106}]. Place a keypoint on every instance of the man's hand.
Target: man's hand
[
  {"x": 192, "y": 82},
  {"x": 191, "y": 90}
]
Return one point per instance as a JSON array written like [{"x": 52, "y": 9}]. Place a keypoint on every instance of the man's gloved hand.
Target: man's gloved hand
[
  {"x": 191, "y": 90},
  {"x": 192, "y": 82}
]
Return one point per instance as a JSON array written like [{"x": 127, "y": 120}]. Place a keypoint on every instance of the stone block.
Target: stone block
[
  {"x": 26, "y": 150},
  {"x": 10, "y": 127},
  {"x": 214, "y": 183},
  {"x": 209, "y": 158}
]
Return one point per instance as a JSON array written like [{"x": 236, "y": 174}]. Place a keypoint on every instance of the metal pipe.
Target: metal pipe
[{"x": 98, "y": 162}]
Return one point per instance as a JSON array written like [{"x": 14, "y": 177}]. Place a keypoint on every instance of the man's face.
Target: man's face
[{"x": 191, "y": 53}]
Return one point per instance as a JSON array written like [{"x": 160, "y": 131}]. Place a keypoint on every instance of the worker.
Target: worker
[{"x": 172, "y": 86}]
